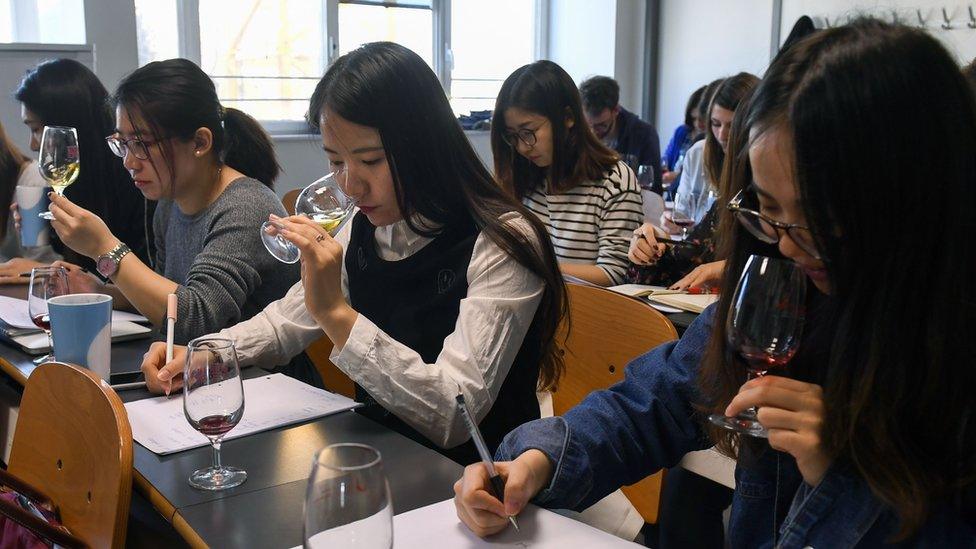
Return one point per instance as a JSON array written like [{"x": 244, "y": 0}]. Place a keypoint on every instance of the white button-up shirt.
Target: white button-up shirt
[{"x": 492, "y": 321}]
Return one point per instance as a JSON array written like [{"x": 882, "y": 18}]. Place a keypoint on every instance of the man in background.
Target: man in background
[{"x": 635, "y": 140}]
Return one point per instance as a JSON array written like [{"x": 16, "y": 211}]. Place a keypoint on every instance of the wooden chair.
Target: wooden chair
[
  {"x": 73, "y": 442},
  {"x": 289, "y": 200},
  {"x": 606, "y": 331}
]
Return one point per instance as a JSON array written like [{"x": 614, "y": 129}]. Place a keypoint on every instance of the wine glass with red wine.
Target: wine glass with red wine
[
  {"x": 45, "y": 283},
  {"x": 763, "y": 326},
  {"x": 683, "y": 214},
  {"x": 213, "y": 401}
]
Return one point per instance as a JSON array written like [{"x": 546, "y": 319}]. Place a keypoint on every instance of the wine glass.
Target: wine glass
[
  {"x": 645, "y": 176},
  {"x": 347, "y": 502},
  {"x": 213, "y": 401},
  {"x": 59, "y": 159},
  {"x": 683, "y": 214},
  {"x": 45, "y": 283},
  {"x": 764, "y": 325},
  {"x": 323, "y": 202}
]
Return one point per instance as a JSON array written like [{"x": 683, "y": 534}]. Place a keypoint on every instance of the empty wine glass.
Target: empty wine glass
[
  {"x": 683, "y": 214},
  {"x": 645, "y": 176},
  {"x": 213, "y": 401},
  {"x": 59, "y": 160},
  {"x": 763, "y": 326},
  {"x": 323, "y": 202},
  {"x": 45, "y": 283},
  {"x": 347, "y": 502}
]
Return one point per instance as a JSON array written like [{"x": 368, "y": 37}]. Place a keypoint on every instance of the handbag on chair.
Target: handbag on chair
[{"x": 28, "y": 519}]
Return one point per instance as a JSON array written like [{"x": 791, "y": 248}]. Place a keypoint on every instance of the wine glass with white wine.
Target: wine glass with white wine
[
  {"x": 60, "y": 162},
  {"x": 323, "y": 202}
]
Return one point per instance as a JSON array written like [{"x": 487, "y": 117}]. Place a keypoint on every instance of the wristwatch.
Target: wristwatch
[{"x": 107, "y": 264}]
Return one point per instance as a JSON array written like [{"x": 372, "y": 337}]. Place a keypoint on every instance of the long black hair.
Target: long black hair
[
  {"x": 63, "y": 92},
  {"x": 727, "y": 95},
  {"x": 860, "y": 104},
  {"x": 175, "y": 98},
  {"x": 436, "y": 173},
  {"x": 544, "y": 88}
]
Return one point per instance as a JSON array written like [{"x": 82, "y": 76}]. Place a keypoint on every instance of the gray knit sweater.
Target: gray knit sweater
[{"x": 225, "y": 274}]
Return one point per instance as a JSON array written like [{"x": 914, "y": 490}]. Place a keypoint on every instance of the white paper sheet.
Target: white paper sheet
[
  {"x": 13, "y": 311},
  {"x": 270, "y": 401},
  {"x": 437, "y": 525},
  {"x": 37, "y": 343}
]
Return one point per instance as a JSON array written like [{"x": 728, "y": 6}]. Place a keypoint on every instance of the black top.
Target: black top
[
  {"x": 416, "y": 301},
  {"x": 638, "y": 144}
]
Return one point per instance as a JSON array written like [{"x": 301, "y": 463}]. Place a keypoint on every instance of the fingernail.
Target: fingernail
[
  {"x": 273, "y": 217},
  {"x": 163, "y": 375}
]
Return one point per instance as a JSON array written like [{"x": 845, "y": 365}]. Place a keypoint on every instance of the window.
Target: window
[
  {"x": 42, "y": 21},
  {"x": 481, "y": 64},
  {"x": 157, "y": 30},
  {"x": 266, "y": 56}
]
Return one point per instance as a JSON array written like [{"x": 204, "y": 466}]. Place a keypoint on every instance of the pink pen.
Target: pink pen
[{"x": 170, "y": 329}]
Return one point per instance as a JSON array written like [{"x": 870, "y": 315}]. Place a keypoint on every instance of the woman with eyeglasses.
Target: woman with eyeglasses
[
  {"x": 694, "y": 264},
  {"x": 63, "y": 92},
  {"x": 441, "y": 284},
  {"x": 547, "y": 156},
  {"x": 211, "y": 169},
  {"x": 871, "y": 437}
]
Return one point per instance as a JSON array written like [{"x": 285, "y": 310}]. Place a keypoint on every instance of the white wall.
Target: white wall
[
  {"x": 960, "y": 39},
  {"x": 702, "y": 40},
  {"x": 600, "y": 37}
]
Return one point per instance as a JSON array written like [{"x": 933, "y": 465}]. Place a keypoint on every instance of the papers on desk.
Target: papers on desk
[
  {"x": 665, "y": 300},
  {"x": 13, "y": 311},
  {"x": 437, "y": 525},
  {"x": 270, "y": 402},
  {"x": 35, "y": 342}
]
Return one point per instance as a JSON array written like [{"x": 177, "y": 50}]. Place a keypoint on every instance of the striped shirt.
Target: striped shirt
[{"x": 593, "y": 222}]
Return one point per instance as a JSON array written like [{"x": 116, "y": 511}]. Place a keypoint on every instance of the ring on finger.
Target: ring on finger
[{"x": 320, "y": 238}]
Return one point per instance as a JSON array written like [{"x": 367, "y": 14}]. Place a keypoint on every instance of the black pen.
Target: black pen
[
  {"x": 663, "y": 240},
  {"x": 495, "y": 481}
]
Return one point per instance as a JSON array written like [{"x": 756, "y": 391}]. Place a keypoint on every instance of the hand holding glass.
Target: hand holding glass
[
  {"x": 764, "y": 325},
  {"x": 45, "y": 283},
  {"x": 213, "y": 401},
  {"x": 59, "y": 160},
  {"x": 347, "y": 502},
  {"x": 323, "y": 202}
]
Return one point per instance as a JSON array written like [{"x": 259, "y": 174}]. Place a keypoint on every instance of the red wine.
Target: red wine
[
  {"x": 217, "y": 425},
  {"x": 684, "y": 222},
  {"x": 760, "y": 362},
  {"x": 42, "y": 321}
]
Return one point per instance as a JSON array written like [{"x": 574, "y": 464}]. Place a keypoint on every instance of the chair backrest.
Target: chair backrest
[
  {"x": 606, "y": 331},
  {"x": 289, "y": 200},
  {"x": 333, "y": 378},
  {"x": 653, "y": 206},
  {"x": 73, "y": 442}
]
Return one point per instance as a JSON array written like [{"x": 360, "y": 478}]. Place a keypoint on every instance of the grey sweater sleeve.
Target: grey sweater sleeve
[{"x": 231, "y": 265}]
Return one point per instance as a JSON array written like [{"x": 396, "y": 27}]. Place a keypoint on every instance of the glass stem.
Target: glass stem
[
  {"x": 50, "y": 343},
  {"x": 216, "y": 454}
]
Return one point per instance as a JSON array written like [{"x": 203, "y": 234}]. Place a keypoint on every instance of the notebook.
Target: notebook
[
  {"x": 34, "y": 342},
  {"x": 642, "y": 290},
  {"x": 693, "y": 303}
]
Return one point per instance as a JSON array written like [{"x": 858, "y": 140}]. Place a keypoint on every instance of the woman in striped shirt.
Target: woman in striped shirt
[{"x": 546, "y": 154}]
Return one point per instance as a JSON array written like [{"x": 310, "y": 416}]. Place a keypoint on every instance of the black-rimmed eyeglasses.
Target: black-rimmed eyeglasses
[
  {"x": 768, "y": 230},
  {"x": 524, "y": 135},
  {"x": 120, "y": 146}
]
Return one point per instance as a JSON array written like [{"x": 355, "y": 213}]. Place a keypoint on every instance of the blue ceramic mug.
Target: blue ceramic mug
[
  {"x": 32, "y": 201},
  {"x": 81, "y": 325}
]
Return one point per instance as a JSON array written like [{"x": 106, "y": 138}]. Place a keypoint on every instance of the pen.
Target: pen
[
  {"x": 495, "y": 481},
  {"x": 127, "y": 386},
  {"x": 702, "y": 290},
  {"x": 170, "y": 330},
  {"x": 662, "y": 240}
]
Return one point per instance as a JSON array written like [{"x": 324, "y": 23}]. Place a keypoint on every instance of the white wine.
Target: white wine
[
  {"x": 61, "y": 176},
  {"x": 329, "y": 221}
]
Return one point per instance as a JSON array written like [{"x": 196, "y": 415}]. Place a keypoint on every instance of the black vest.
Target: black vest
[{"x": 415, "y": 301}]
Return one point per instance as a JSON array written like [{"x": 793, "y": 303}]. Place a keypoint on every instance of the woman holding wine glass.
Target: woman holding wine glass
[
  {"x": 440, "y": 283},
  {"x": 869, "y": 431},
  {"x": 63, "y": 92},
  {"x": 211, "y": 169}
]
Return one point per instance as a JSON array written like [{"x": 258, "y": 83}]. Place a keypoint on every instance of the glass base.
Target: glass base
[
  {"x": 743, "y": 423},
  {"x": 46, "y": 215},
  {"x": 217, "y": 479},
  {"x": 44, "y": 359}
]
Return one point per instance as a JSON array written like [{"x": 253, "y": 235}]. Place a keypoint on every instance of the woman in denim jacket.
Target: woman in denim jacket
[{"x": 872, "y": 437}]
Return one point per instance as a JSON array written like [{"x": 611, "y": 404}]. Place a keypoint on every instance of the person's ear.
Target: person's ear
[{"x": 202, "y": 142}]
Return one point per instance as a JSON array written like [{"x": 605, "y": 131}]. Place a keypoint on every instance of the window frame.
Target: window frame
[{"x": 188, "y": 33}]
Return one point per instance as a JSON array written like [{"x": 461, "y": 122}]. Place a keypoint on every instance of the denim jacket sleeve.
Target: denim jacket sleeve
[
  {"x": 842, "y": 511},
  {"x": 619, "y": 435}
]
